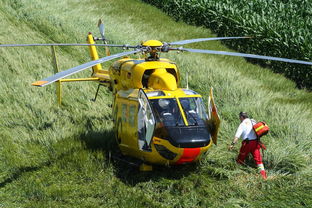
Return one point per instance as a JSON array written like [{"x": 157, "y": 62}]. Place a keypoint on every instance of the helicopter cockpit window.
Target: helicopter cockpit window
[
  {"x": 167, "y": 111},
  {"x": 155, "y": 94},
  {"x": 194, "y": 110},
  {"x": 189, "y": 92}
]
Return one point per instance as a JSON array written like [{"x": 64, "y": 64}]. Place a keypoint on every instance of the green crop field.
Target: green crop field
[
  {"x": 279, "y": 28},
  {"x": 58, "y": 156}
]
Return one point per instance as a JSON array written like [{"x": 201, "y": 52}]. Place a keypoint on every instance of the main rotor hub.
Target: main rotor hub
[
  {"x": 154, "y": 46},
  {"x": 152, "y": 43}
]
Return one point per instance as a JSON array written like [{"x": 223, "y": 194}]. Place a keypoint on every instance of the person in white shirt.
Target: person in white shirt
[{"x": 250, "y": 143}]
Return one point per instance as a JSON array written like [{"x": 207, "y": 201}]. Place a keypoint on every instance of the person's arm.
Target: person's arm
[
  {"x": 236, "y": 137},
  {"x": 233, "y": 143}
]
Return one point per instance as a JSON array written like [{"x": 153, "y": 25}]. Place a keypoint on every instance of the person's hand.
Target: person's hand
[{"x": 231, "y": 146}]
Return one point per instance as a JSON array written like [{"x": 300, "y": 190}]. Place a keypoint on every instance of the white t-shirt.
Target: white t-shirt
[{"x": 245, "y": 130}]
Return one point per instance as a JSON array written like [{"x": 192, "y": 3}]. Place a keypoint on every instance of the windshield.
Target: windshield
[
  {"x": 194, "y": 110},
  {"x": 167, "y": 111}
]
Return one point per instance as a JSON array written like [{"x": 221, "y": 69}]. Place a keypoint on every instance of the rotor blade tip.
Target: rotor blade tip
[{"x": 39, "y": 83}]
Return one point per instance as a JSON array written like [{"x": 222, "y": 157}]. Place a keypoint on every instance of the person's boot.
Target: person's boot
[{"x": 263, "y": 174}]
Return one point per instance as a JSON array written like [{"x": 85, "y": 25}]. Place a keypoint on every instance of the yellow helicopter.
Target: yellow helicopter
[{"x": 155, "y": 120}]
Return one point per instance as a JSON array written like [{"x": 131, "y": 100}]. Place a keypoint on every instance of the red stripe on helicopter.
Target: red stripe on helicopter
[{"x": 189, "y": 155}]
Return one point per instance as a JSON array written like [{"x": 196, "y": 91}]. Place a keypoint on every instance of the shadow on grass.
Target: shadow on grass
[
  {"x": 132, "y": 176},
  {"x": 127, "y": 168},
  {"x": 103, "y": 141},
  {"x": 20, "y": 171},
  {"x": 100, "y": 140}
]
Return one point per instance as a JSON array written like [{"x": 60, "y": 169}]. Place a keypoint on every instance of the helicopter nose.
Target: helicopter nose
[{"x": 189, "y": 155}]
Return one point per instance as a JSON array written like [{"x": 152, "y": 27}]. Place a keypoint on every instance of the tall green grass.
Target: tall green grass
[{"x": 58, "y": 157}]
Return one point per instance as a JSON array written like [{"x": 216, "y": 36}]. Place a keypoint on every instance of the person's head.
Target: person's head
[
  {"x": 242, "y": 115},
  {"x": 164, "y": 103}
]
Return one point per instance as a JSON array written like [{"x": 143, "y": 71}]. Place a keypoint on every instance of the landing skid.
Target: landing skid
[{"x": 132, "y": 162}]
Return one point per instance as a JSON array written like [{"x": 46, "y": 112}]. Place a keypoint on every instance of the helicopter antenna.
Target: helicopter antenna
[{"x": 187, "y": 86}]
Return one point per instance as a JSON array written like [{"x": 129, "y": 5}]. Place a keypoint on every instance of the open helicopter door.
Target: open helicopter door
[
  {"x": 146, "y": 121},
  {"x": 214, "y": 120}
]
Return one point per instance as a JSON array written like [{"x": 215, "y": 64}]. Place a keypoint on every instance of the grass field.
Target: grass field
[{"x": 57, "y": 157}]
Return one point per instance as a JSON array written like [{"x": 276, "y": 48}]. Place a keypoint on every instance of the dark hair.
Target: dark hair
[{"x": 243, "y": 114}]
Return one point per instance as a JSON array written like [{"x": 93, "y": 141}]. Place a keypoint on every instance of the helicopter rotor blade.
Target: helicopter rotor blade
[
  {"x": 182, "y": 42},
  {"x": 66, "y": 44},
  {"x": 79, "y": 68},
  {"x": 243, "y": 55}
]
